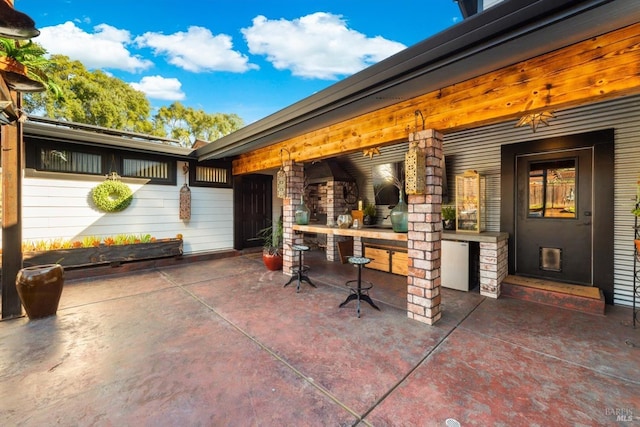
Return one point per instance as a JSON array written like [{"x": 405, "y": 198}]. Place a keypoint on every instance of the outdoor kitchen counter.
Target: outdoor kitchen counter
[
  {"x": 492, "y": 255},
  {"x": 371, "y": 233},
  {"x": 389, "y": 234},
  {"x": 484, "y": 237}
]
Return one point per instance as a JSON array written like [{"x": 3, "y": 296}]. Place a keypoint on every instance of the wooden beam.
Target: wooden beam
[
  {"x": 598, "y": 69},
  {"x": 11, "y": 212}
]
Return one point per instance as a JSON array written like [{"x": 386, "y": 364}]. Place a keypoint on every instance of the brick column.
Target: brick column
[
  {"x": 295, "y": 186},
  {"x": 424, "y": 236},
  {"x": 332, "y": 241},
  {"x": 493, "y": 267}
]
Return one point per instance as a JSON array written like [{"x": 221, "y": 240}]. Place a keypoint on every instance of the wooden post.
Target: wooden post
[{"x": 11, "y": 141}]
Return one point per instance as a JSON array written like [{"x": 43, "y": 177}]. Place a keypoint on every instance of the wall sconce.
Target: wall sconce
[
  {"x": 534, "y": 119},
  {"x": 415, "y": 168},
  {"x": 281, "y": 177}
]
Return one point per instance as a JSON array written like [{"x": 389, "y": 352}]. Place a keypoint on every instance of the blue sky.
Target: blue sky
[{"x": 249, "y": 57}]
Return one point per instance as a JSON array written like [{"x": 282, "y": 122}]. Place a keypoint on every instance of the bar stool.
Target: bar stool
[
  {"x": 361, "y": 290},
  {"x": 299, "y": 271}
]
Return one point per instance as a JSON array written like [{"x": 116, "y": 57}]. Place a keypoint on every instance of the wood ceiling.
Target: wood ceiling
[{"x": 598, "y": 69}]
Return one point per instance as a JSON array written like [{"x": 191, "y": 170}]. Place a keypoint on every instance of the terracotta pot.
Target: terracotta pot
[
  {"x": 637, "y": 242},
  {"x": 272, "y": 262},
  {"x": 15, "y": 75},
  {"x": 39, "y": 288}
]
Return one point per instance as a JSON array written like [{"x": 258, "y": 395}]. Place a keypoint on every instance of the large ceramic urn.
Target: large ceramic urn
[{"x": 39, "y": 288}]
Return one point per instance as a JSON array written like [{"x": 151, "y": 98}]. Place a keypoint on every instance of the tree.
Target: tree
[
  {"x": 187, "y": 124},
  {"x": 32, "y": 56},
  {"x": 93, "y": 97}
]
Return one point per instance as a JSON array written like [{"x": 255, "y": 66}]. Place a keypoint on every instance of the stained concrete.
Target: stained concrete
[{"x": 221, "y": 342}]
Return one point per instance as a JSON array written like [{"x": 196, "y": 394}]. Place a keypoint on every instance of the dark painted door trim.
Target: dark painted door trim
[{"x": 603, "y": 202}]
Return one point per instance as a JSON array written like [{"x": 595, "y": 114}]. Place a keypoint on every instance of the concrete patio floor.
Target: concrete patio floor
[{"x": 222, "y": 343}]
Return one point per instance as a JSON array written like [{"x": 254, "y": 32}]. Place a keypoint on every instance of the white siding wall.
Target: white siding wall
[
  {"x": 480, "y": 149},
  {"x": 58, "y": 208}
]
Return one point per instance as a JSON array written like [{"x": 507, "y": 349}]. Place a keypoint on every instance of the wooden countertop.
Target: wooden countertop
[
  {"x": 372, "y": 233},
  {"x": 484, "y": 237},
  {"x": 389, "y": 234}
]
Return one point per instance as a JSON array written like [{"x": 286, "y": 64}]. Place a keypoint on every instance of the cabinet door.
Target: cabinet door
[
  {"x": 379, "y": 257},
  {"x": 399, "y": 263}
]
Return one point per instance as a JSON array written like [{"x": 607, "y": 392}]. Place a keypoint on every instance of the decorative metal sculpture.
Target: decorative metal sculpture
[{"x": 185, "y": 197}]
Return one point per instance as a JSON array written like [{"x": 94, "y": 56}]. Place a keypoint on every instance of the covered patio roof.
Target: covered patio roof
[{"x": 499, "y": 37}]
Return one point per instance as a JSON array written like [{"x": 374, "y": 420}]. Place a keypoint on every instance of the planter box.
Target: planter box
[{"x": 103, "y": 254}]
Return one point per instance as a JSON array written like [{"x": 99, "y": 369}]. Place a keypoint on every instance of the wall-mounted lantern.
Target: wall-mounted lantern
[
  {"x": 281, "y": 177},
  {"x": 415, "y": 167}
]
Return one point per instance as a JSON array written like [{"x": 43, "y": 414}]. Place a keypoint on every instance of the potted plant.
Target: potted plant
[
  {"x": 370, "y": 214},
  {"x": 272, "y": 246},
  {"x": 636, "y": 212},
  {"x": 92, "y": 250},
  {"x": 23, "y": 66},
  {"x": 448, "y": 217}
]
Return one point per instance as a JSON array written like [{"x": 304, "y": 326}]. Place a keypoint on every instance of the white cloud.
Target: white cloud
[
  {"x": 105, "y": 48},
  {"x": 319, "y": 45},
  {"x": 197, "y": 50},
  {"x": 158, "y": 87}
]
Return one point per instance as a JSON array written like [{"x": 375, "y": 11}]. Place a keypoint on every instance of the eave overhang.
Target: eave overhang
[
  {"x": 82, "y": 134},
  {"x": 512, "y": 31}
]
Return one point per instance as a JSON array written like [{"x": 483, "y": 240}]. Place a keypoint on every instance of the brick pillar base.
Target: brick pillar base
[
  {"x": 424, "y": 236},
  {"x": 493, "y": 267}
]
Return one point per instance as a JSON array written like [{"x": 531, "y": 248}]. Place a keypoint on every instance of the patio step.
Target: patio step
[{"x": 586, "y": 299}]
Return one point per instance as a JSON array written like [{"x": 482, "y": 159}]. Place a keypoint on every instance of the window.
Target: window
[
  {"x": 552, "y": 189},
  {"x": 75, "y": 159},
  {"x": 210, "y": 174},
  {"x": 70, "y": 161},
  {"x": 140, "y": 168}
]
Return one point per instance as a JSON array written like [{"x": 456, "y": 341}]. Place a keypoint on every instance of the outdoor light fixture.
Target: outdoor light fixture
[
  {"x": 281, "y": 177},
  {"x": 415, "y": 167},
  {"x": 415, "y": 170},
  {"x": 14, "y": 24},
  {"x": 534, "y": 119}
]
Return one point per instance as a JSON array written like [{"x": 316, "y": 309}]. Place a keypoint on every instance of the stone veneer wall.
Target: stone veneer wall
[{"x": 424, "y": 235}]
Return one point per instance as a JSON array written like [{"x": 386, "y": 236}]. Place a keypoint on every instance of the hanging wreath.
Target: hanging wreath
[{"x": 112, "y": 196}]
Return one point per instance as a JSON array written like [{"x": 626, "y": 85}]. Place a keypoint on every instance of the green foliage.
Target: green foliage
[
  {"x": 448, "y": 213},
  {"x": 95, "y": 98},
  {"x": 187, "y": 124},
  {"x": 272, "y": 238},
  {"x": 112, "y": 196},
  {"x": 32, "y": 56},
  {"x": 370, "y": 210}
]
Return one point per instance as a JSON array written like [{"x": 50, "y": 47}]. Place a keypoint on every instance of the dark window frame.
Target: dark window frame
[
  {"x": 222, "y": 164},
  {"x": 171, "y": 167},
  {"x": 112, "y": 160}
]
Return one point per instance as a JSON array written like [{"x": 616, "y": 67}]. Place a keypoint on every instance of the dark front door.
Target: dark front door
[
  {"x": 554, "y": 213},
  {"x": 253, "y": 206}
]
